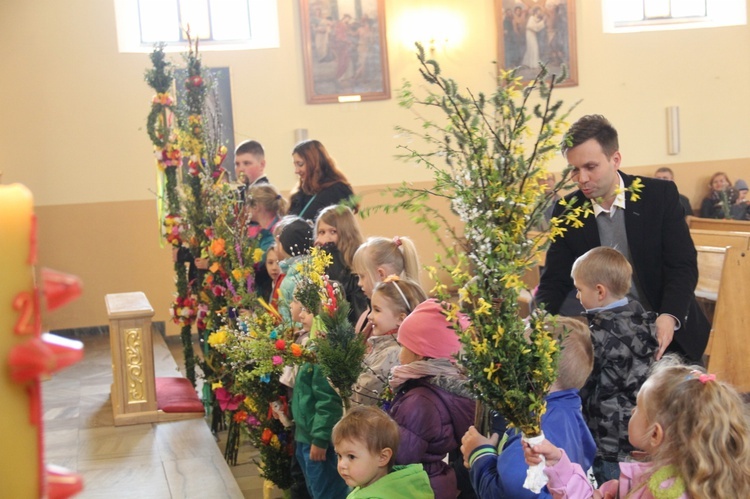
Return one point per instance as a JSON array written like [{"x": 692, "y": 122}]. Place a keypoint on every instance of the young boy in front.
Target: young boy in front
[
  {"x": 366, "y": 442},
  {"x": 624, "y": 337},
  {"x": 501, "y": 474}
]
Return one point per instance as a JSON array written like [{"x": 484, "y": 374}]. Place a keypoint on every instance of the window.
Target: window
[
  {"x": 622, "y": 16},
  {"x": 219, "y": 24}
]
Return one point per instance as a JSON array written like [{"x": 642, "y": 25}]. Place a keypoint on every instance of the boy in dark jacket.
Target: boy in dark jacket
[{"x": 624, "y": 337}]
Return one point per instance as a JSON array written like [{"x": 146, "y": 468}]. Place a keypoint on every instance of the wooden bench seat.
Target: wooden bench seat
[
  {"x": 720, "y": 238},
  {"x": 718, "y": 224},
  {"x": 710, "y": 266},
  {"x": 729, "y": 344}
]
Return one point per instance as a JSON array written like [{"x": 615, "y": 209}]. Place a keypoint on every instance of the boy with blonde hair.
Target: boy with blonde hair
[
  {"x": 501, "y": 474},
  {"x": 366, "y": 442},
  {"x": 625, "y": 345}
]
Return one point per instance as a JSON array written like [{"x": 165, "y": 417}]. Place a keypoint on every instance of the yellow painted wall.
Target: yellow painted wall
[{"x": 73, "y": 117}]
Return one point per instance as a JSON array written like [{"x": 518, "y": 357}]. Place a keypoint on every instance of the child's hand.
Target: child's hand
[
  {"x": 317, "y": 453},
  {"x": 545, "y": 449},
  {"x": 201, "y": 263},
  {"x": 609, "y": 490},
  {"x": 473, "y": 439}
]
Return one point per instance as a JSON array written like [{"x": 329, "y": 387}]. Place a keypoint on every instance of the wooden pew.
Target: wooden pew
[
  {"x": 729, "y": 346},
  {"x": 720, "y": 238},
  {"x": 710, "y": 266},
  {"x": 715, "y": 224}
]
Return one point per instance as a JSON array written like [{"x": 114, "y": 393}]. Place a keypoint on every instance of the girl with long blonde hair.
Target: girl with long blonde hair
[{"x": 694, "y": 429}]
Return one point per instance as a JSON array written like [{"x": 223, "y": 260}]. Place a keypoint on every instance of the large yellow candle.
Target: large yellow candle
[{"x": 20, "y": 460}]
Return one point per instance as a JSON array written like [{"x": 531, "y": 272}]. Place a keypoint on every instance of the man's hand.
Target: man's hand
[
  {"x": 473, "y": 439},
  {"x": 317, "y": 453},
  {"x": 665, "y": 324}
]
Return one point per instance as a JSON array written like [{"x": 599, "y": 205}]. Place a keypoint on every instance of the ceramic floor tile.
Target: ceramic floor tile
[
  {"x": 60, "y": 443},
  {"x": 201, "y": 477},
  {"x": 96, "y": 415},
  {"x": 111, "y": 442},
  {"x": 125, "y": 482},
  {"x": 185, "y": 439},
  {"x": 85, "y": 463}
]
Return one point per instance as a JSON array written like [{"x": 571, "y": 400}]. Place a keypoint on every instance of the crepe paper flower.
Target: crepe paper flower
[
  {"x": 266, "y": 437},
  {"x": 296, "y": 350},
  {"x": 240, "y": 416},
  {"x": 258, "y": 255},
  {"x": 216, "y": 385},
  {"x": 277, "y": 360},
  {"x": 218, "y": 290},
  {"x": 273, "y": 335},
  {"x": 275, "y": 442},
  {"x": 218, "y": 247},
  {"x": 226, "y": 400},
  {"x": 280, "y": 344},
  {"x": 215, "y": 267},
  {"x": 217, "y": 338},
  {"x": 252, "y": 420},
  {"x": 250, "y": 404},
  {"x": 265, "y": 378},
  {"x": 194, "y": 81},
  {"x": 230, "y": 287},
  {"x": 238, "y": 274}
]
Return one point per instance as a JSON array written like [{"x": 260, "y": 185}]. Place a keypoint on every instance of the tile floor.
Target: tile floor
[{"x": 160, "y": 460}]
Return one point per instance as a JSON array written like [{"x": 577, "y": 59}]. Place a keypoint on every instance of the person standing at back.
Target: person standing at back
[
  {"x": 320, "y": 184},
  {"x": 666, "y": 173},
  {"x": 250, "y": 163}
]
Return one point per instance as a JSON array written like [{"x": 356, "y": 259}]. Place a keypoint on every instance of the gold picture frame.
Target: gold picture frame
[
  {"x": 530, "y": 32},
  {"x": 344, "y": 50}
]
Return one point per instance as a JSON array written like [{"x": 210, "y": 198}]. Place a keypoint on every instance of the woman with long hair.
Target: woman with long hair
[{"x": 320, "y": 184}]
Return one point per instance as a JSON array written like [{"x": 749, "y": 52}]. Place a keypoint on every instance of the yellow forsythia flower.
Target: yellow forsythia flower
[{"x": 483, "y": 308}]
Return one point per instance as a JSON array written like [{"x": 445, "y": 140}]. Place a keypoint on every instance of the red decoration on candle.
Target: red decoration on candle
[
  {"x": 26, "y": 304},
  {"x": 62, "y": 483},
  {"x": 42, "y": 357},
  {"x": 59, "y": 288}
]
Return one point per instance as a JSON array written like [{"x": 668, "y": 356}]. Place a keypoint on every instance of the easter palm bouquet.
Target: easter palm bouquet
[{"x": 488, "y": 155}]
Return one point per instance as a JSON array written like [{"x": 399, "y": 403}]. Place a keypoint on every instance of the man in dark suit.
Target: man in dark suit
[{"x": 644, "y": 223}]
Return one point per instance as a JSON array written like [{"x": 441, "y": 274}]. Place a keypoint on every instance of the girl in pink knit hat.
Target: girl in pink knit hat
[{"x": 433, "y": 405}]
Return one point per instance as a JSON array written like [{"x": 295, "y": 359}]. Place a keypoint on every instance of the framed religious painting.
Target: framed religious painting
[
  {"x": 530, "y": 32},
  {"x": 344, "y": 50}
]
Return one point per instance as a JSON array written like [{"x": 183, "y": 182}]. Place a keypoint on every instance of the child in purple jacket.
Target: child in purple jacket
[{"x": 432, "y": 405}]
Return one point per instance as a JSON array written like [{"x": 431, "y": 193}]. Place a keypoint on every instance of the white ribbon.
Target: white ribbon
[{"x": 535, "y": 477}]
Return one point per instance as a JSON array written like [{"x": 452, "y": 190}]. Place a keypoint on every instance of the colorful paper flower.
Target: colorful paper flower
[
  {"x": 218, "y": 247},
  {"x": 217, "y": 338}
]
